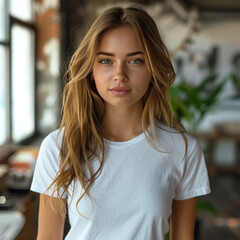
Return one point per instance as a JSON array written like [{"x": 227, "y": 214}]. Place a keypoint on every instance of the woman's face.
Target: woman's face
[{"x": 119, "y": 68}]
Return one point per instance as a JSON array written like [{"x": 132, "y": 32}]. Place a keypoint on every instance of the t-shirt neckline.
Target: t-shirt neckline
[{"x": 130, "y": 142}]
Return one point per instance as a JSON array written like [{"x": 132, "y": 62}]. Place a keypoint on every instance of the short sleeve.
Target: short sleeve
[
  {"x": 47, "y": 165},
  {"x": 194, "y": 176}
]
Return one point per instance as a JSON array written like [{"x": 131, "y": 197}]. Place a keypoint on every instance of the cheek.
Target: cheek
[
  {"x": 145, "y": 87},
  {"x": 97, "y": 76},
  {"x": 143, "y": 80},
  {"x": 101, "y": 75},
  {"x": 98, "y": 84},
  {"x": 100, "y": 81}
]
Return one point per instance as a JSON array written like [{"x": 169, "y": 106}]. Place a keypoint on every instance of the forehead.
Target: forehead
[{"x": 120, "y": 39}]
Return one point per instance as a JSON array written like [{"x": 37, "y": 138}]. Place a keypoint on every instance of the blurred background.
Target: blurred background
[{"x": 37, "y": 39}]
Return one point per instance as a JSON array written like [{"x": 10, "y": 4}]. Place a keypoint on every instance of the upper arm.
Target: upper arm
[
  {"x": 182, "y": 220},
  {"x": 50, "y": 221}
]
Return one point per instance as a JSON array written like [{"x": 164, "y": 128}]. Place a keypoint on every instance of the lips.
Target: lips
[{"x": 120, "y": 91}]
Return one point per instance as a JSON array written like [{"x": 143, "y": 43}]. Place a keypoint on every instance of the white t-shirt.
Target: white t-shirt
[{"x": 132, "y": 197}]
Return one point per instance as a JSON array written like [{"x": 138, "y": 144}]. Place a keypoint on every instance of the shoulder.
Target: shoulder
[
  {"x": 53, "y": 140},
  {"x": 180, "y": 144},
  {"x": 172, "y": 135},
  {"x": 49, "y": 153},
  {"x": 50, "y": 147}
]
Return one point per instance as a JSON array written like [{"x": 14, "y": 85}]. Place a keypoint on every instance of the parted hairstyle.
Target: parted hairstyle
[{"x": 83, "y": 108}]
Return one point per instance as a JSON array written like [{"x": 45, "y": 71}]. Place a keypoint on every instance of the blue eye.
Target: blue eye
[
  {"x": 136, "y": 61},
  {"x": 105, "y": 61}
]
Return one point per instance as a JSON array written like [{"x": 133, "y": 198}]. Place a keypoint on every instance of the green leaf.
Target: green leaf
[
  {"x": 205, "y": 82},
  {"x": 212, "y": 99},
  {"x": 180, "y": 108},
  {"x": 211, "y": 79}
]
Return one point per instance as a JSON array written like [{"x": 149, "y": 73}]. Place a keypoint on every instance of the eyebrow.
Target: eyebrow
[{"x": 112, "y": 55}]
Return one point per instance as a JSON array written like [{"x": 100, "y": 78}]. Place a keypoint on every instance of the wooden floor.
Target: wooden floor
[{"x": 225, "y": 197}]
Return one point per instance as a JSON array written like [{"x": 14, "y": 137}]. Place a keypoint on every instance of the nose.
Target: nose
[{"x": 120, "y": 73}]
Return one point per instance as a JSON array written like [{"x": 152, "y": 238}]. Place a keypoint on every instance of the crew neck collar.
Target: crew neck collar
[{"x": 130, "y": 142}]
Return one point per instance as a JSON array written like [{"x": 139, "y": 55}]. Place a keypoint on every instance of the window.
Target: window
[
  {"x": 22, "y": 9},
  {"x": 17, "y": 71},
  {"x": 22, "y": 84}
]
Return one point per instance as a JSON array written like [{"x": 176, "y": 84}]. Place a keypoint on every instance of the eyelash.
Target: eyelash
[
  {"x": 138, "y": 60},
  {"x": 103, "y": 61}
]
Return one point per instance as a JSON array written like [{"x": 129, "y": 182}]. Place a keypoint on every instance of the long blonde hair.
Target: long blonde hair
[{"x": 83, "y": 108}]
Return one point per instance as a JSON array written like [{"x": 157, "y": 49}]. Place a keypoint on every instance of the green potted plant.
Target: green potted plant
[{"x": 191, "y": 103}]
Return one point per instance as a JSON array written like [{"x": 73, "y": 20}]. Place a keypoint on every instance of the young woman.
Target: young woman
[{"x": 120, "y": 163}]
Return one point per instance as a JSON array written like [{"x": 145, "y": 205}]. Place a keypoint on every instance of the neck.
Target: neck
[{"x": 122, "y": 123}]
